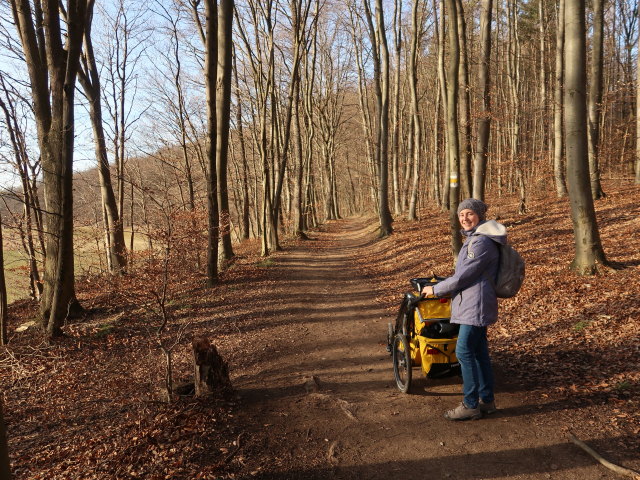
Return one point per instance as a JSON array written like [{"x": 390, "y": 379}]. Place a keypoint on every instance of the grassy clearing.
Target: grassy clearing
[{"x": 89, "y": 258}]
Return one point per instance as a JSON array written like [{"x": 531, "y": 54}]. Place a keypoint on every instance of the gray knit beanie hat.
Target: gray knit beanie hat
[{"x": 477, "y": 206}]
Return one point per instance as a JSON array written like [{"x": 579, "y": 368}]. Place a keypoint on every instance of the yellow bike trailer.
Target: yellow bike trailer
[{"x": 423, "y": 336}]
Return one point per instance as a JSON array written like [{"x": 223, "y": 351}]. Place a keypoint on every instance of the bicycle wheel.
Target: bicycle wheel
[{"x": 401, "y": 354}]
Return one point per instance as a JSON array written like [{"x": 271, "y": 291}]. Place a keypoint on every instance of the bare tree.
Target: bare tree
[
  {"x": 440, "y": 27},
  {"x": 514, "y": 75},
  {"x": 594, "y": 101},
  {"x": 304, "y": 211},
  {"x": 416, "y": 27},
  {"x": 589, "y": 254},
  {"x": 357, "y": 34},
  {"x": 299, "y": 13},
  {"x": 125, "y": 45},
  {"x": 452, "y": 125},
  {"x": 52, "y": 61},
  {"x": 211, "y": 59},
  {"x": 395, "y": 133},
  {"x": 245, "y": 217},
  {"x": 223, "y": 112},
  {"x": 175, "y": 101},
  {"x": 380, "y": 53},
  {"x": 331, "y": 78},
  {"x": 484, "y": 116},
  {"x": 558, "y": 110},
  {"x": 261, "y": 59},
  {"x": 89, "y": 78},
  {"x": 464, "y": 106}
]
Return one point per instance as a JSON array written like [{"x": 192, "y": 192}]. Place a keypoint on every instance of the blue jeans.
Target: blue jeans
[{"x": 472, "y": 351}]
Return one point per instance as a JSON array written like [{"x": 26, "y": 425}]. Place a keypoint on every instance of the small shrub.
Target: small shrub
[
  {"x": 581, "y": 325},
  {"x": 104, "y": 330},
  {"x": 623, "y": 386}
]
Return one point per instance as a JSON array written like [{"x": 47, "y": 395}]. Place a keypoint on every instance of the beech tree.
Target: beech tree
[
  {"x": 260, "y": 52},
  {"x": 558, "y": 111},
  {"x": 211, "y": 58},
  {"x": 484, "y": 116},
  {"x": 594, "y": 102},
  {"x": 416, "y": 125},
  {"x": 52, "y": 53},
  {"x": 367, "y": 122},
  {"x": 223, "y": 112},
  {"x": 589, "y": 254},
  {"x": 380, "y": 53},
  {"x": 452, "y": 125},
  {"x": 464, "y": 105},
  {"x": 123, "y": 36},
  {"x": 89, "y": 78}
]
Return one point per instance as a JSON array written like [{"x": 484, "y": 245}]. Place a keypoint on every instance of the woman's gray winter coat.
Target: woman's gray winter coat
[{"x": 474, "y": 300}]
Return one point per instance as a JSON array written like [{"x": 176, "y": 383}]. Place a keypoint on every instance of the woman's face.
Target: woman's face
[{"x": 468, "y": 219}]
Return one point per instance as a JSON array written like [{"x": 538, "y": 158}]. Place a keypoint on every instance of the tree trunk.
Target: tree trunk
[
  {"x": 299, "y": 15},
  {"x": 304, "y": 215},
  {"x": 53, "y": 79},
  {"x": 380, "y": 53},
  {"x": 558, "y": 110},
  {"x": 594, "y": 106},
  {"x": 223, "y": 112},
  {"x": 442, "y": 81},
  {"x": 452, "y": 126},
  {"x": 484, "y": 116},
  {"x": 245, "y": 218},
  {"x": 515, "y": 90},
  {"x": 363, "y": 100},
  {"x": 383, "y": 133},
  {"x": 90, "y": 80},
  {"x": 395, "y": 144},
  {"x": 542, "y": 24},
  {"x": 465, "y": 107},
  {"x": 589, "y": 253},
  {"x": 211, "y": 50},
  {"x": 416, "y": 25}
]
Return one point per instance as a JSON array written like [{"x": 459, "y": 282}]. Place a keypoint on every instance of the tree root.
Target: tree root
[{"x": 611, "y": 466}]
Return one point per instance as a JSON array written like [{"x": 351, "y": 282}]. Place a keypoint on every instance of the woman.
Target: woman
[{"x": 474, "y": 305}]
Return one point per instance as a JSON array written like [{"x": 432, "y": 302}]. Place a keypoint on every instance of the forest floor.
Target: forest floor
[{"x": 304, "y": 333}]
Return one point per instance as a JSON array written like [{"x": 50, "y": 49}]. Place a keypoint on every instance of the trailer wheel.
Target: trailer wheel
[{"x": 401, "y": 354}]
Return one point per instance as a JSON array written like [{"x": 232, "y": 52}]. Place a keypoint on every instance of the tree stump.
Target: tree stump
[{"x": 211, "y": 370}]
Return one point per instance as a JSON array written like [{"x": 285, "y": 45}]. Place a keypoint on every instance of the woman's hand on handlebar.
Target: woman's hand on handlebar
[{"x": 428, "y": 291}]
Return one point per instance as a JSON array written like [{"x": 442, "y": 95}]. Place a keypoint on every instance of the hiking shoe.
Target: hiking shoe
[
  {"x": 461, "y": 412},
  {"x": 487, "y": 408}
]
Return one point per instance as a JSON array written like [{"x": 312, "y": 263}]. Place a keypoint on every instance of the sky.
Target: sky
[{"x": 148, "y": 47}]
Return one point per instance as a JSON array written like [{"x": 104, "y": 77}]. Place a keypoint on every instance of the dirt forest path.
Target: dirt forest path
[{"x": 318, "y": 399}]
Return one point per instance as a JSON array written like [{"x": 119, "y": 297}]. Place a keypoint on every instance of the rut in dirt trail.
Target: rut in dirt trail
[{"x": 320, "y": 401}]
